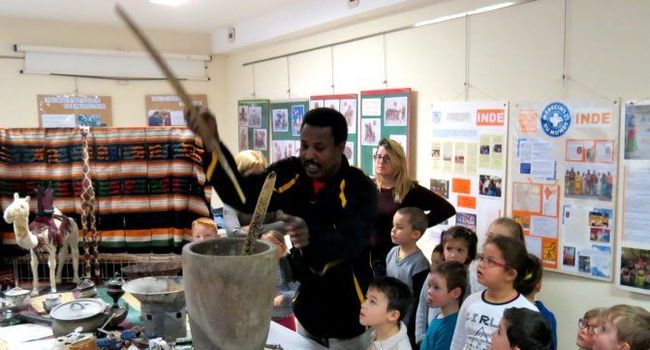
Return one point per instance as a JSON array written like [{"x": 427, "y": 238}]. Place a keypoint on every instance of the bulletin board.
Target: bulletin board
[
  {"x": 384, "y": 114},
  {"x": 286, "y": 120},
  {"x": 69, "y": 111},
  {"x": 468, "y": 160},
  {"x": 348, "y": 106},
  {"x": 253, "y": 121},
  {"x": 563, "y": 181},
  {"x": 633, "y": 248},
  {"x": 168, "y": 110}
]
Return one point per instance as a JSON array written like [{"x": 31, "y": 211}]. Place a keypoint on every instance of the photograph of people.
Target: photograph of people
[
  {"x": 243, "y": 139},
  {"x": 395, "y": 111},
  {"x": 255, "y": 116},
  {"x": 349, "y": 111},
  {"x": 370, "y": 132},
  {"x": 280, "y": 120},
  {"x": 243, "y": 116},
  {"x": 490, "y": 185},
  {"x": 259, "y": 139},
  {"x": 297, "y": 112},
  {"x": 589, "y": 181},
  {"x": 333, "y": 104},
  {"x": 348, "y": 151},
  {"x": 313, "y": 104}
]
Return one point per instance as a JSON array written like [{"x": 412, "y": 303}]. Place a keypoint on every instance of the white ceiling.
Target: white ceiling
[
  {"x": 255, "y": 21},
  {"x": 196, "y": 15}
]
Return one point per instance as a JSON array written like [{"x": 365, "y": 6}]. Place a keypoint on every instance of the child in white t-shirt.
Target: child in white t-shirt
[{"x": 501, "y": 266}]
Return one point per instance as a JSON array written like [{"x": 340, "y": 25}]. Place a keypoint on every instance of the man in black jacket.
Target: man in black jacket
[{"x": 330, "y": 210}]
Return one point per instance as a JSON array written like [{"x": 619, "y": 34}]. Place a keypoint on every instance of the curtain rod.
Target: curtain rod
[{"x": 440, "y": 19}]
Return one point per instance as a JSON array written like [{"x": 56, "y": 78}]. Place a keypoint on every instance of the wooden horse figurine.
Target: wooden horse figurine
[{"x": 43, "y": 240}]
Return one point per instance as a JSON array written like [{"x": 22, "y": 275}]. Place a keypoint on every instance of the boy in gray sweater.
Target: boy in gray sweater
[{"x": 406, "y": 262}]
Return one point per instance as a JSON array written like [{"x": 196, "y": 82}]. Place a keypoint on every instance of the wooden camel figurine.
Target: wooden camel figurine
[{"x": 43, "y": 241}]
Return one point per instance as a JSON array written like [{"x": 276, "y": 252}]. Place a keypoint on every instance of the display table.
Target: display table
[{"x": 21, "y": 337}]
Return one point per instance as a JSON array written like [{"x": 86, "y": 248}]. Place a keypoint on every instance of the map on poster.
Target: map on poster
[
  {"x": 564, "y": 180},
  {"x": 468, "y": 160}
]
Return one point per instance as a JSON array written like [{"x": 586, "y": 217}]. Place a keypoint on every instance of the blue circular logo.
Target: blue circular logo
[{"x": 556, "y": 119}]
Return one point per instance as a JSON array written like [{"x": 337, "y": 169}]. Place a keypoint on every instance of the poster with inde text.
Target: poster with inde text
[
  {"x": 468, "y": 151},
  {"x": 563, "y": 183},
  {"x": 633, "y": 248}
]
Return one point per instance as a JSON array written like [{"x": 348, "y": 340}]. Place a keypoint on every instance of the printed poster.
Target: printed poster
[
  {"x": 633, "y": 249},
  {"x": 66, "y": 111},
  {"x": 564, "y": 183},
  {"x": 468, "y": 156}
]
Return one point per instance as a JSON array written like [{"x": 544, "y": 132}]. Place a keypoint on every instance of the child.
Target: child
[
  {"x": 447, "y": 285},
  {"x": 501, "y": 267},
  {"x": 531, "y": 285},
  {"x": 587, "y": 326},
  {"x": 624, "y": 327},
  {"x": 406, "y": 261},
  {"x": 521, "y": 329},
  {"x": 204, "y": 229},
  {"x": 499, "y": 227},
  {"x": 282, "y": 311},
  {"x": 387, "y": 301},
  {"x": 458, "y": 244}
]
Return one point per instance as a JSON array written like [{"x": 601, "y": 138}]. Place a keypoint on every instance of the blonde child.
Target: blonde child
[
  {"x": 625, "y": 327},
  {"x": 500, "y": 227},
  {"x": 282, "y": 311},
  {"x": 587, "y": 326},
  {"x": 502, "y": 265},
  {"x": 387, "y": 301},
  {"x": 447, "y": 286},
  {"x": 458, "y": 243},
  {"x": 204, "y": 229},
  {"x": 248, "y": 162},
  {"x": 406, "y": 262}
]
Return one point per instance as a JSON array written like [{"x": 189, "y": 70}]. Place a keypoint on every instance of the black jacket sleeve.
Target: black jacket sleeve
[{"x": 439, "y": 208}]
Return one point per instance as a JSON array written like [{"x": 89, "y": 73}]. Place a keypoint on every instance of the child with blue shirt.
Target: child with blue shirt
[{"x": 447, "y": 285}]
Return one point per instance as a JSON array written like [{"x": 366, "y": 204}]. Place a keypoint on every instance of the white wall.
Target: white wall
[
  {"x": 18, "y": 91},
  {"x": 514, "y": 54}
]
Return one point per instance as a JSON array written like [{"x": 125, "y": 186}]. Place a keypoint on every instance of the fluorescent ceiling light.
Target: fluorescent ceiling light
[
  {"x": 169, "y": 2},
  {"x": 463, "y": 14}
]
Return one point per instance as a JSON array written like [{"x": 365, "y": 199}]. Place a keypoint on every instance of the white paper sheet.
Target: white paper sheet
[{"x": 637, "y": 202}]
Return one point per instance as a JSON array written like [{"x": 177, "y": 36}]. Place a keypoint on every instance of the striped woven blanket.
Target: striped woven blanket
[{"x": 149, "y": 183}]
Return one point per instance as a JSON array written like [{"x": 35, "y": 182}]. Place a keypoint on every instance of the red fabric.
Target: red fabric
[
  {"x": 289, "y": 322},
  {"x": 317, "y": 185}
]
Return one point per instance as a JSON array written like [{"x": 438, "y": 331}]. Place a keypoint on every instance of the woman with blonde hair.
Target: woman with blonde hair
[{"x": 397, "y": 190}]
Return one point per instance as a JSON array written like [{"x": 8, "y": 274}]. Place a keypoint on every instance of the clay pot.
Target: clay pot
[{"x": 229, "y": 296}]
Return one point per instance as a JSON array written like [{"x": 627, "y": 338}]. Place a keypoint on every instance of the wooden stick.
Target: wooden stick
[
  {"x": 260, "y": 213},
  {"x": 180, "y": 91}
]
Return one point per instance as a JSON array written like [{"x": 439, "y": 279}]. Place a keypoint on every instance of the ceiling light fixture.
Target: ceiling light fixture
[
  {"x": 467, "y": 13},
  {"x": 168, "y": 2}
]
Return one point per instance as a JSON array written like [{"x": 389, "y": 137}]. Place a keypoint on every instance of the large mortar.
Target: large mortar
[{"x": 229, "y": 296}]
